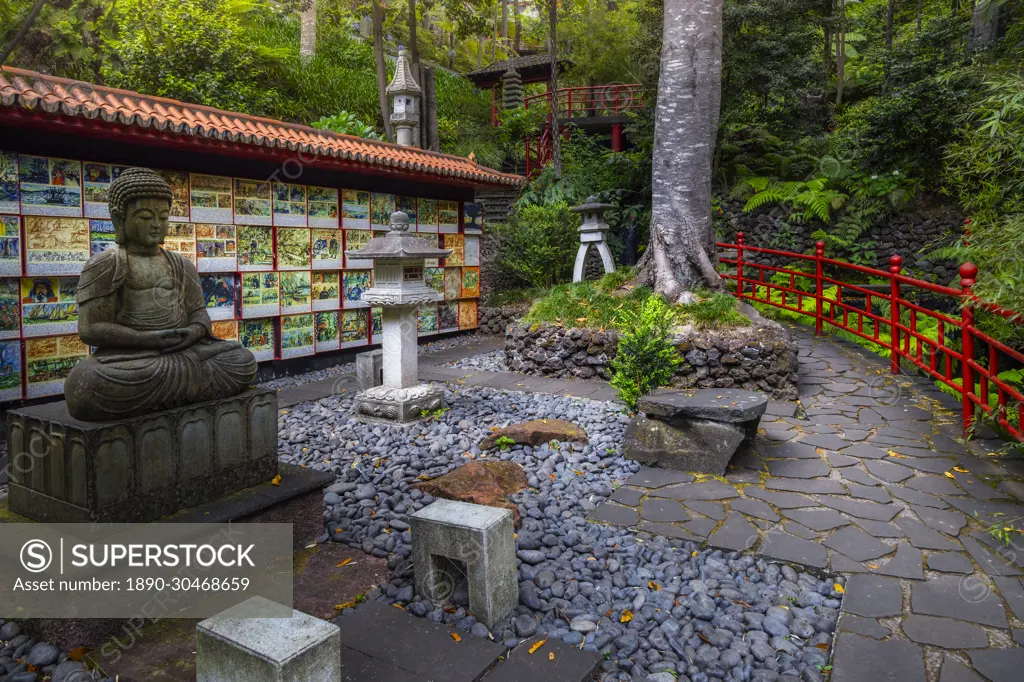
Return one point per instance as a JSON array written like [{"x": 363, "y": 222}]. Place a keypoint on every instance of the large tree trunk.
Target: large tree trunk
[
  {"x": 678, "y": 258},
  {"x": 382, "y": 72},
  {"x": 504, "y": 22},
  {"x": 555, "y": 130},
  {"x": 984, "y": 25},
  {"x": 307, "y": 30},
  {"x": 841, "y": 53},
  {"x": 519, "y": 24}
]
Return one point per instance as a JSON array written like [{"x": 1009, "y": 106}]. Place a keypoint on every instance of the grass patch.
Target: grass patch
[
  {"x": 603, "y": 304},
  {"x": 513, "y": 297}
]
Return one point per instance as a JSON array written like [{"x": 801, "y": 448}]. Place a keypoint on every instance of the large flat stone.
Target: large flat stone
[
  {"x": 948, "y": 522},
  {"x": 1012, "y": 590},
  {"x": 886, "y": 471},
  {"x": 989, "y": 561},
  {"x": 873, "y": 596},
  {"x": 862, "y": 510},
  {"x": 869, "y": 627},
  {"x": 949, "y": 562},
  {"x": 923, "y": 537},
  {"x": 141, "y": 469},
  {"x": 798, "y": 468},
  {"x": 705, "y": 490},
  {"x": 649, "y": 477},
  {"x": 817, "y": 519},
  {"x": 486, "y": 482},
  {"x": 944, "y": 632},
  {"x": 536, "y": 432},
  {"x": 955, "y": 671},
  {"x": 697, "y": 445},
  {"x": 662, "y": 510},
  {"x": 715, "y": 404},
  {"x": 755, "y": 508},
  {"x": 715, "y": 510},
  {"x": 860, "y": 659},
  {"x": 777, "y": 499},
  {"x": 615, "y": 514},
  {"x": 554, "y": 660},
  {"x": 999, "y": 665},
  {"x": 906, "y": 564},
  {"x": 735, "y": 534},
  {"x": 817, "y": 486},
  {"x": 779, "y": 545},
  {"x": 952, "y": 597},
  {"x": 881, "y": 529}
]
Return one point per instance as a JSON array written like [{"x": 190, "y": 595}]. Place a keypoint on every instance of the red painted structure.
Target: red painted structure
[{"x": 975, "y": 364}]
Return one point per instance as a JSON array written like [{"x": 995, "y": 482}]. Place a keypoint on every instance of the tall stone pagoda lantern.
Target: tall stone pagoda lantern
[
  {"x": 398, "y": 288},
  {"x": 592, "y": 231},
  {"x": 405, "y": 101}
]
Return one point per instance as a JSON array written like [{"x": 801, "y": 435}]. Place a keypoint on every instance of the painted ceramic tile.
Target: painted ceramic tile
[
  {"x": 289, "y": 204},
  {"x": 322, "y": 207},
  {"x": 181, "y": 237},
  {"x": 295, "y": 292},
  {"x": 467, "y": 315},
  {"x": 48, "y": 361},
  {"x": 471, "y": 249},
  {"x": 448, "y": 316},
  {"x": 470, "y": 282},
  {"x": 101, "y": 236},
  {"x": 355, "y": 209},
  {"x": 427, "y": 216},
  {"x": 255, "y": 248},
  {"x": 10, "y": 370},
  {"x": 178, "y": 180},
  {"x": 357, "y": 239},
  {"x": 326, "y": 290},
  {"x": 297, "y": 335},
  {"x": 253, "y": 202},
  {"x": 327, "y": 245},
  {"x": 210, "y": 199},
  {"x": 225, "y": 329},
  {"x": 377, "y": 324},
  {"x": 408, "y": 206},
  {"x": 355, "y": 283},
  {"x": 216, "y": 247},
  {"x": 448, "y": 216},
  {"x": 452, "y": 283},
  {"x": 434, "y": 278},
  {"x": 56, "y": 246},
  {"x": 258, "y": 336},
  {"x": 48, "y": 306},
  {"x": 328, "y": 335},
  {"x": 354, "y": 328},
  {"x": 51, "y": 187},
  {"x": 96, "y": 187},
  {"x": 260, "y": 294},
  {"x": 455, "y": 243},
  {"x": 426, "y": 319},
  {"x": 10, "y": 245},
  {"x": 9, "y": 194},
  {"x": 381, "y": 208},
  {"x": 474, "y": 217},
  {"x": 221, "y": 295},
  {"x": 10, "y": 308},
  {"x": 293, "y": 244}
]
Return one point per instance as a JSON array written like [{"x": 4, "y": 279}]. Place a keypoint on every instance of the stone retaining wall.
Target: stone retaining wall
[
  {"x": 496, "y": 320},
  {"x": 755, "y": 358}
]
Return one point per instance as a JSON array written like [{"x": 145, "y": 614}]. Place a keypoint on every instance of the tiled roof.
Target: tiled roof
[
  {"x": 515, "y": 63},
  {"x": 31, "y": 90}
]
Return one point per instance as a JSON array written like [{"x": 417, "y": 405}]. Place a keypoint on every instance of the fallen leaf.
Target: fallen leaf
[
  {"x": 872, "y": 566},
  {"x": 399, "y": 606},
  {"x": 276, "y": 480},
  {"x": 346, "y": 562},
  {"x": 961, "y": 470},
  {"x": 839, "y": 588},
  {"x": 949, "y": 474},
  {"x": 78, "y": 653},
  {"x": 627, "y": 616},
  {"x": 456, "y": 637},
  {"x": 537, "y": 645},
  {"x": 653, "y": 585},
  {"x": 822, "y": 645},
  {"x": 695, "y": 553},
  {"x": 551, "y": 655},
  {"x": 893, "y": 453},
  {"x": 552, "y": 476},
  {"x": 346, "y": 605}
]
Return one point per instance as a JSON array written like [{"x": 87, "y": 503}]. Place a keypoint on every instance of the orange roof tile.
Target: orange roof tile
[{"x": 32, "y": 90}]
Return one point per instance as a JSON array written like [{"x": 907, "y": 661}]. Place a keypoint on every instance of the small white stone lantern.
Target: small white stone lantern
[
  {"x": 592, "y": 231},
  {"x": 405, "y": 96},
  {"x": 398, "y": 288}
]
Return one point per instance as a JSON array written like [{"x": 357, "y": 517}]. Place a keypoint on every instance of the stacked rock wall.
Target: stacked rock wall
[
  {"x": 497, "y": 319},
  {"x": 755, "y": 358}
]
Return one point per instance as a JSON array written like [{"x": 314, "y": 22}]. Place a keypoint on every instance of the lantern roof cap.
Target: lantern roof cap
[
  {"x": 398, "y": 243},
  {"x": 403, "y": 83},
  {"x": 592, "y": 204}
]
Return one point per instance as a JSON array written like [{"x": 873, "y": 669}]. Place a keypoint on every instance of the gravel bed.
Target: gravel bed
[
  {"x": 656, "y": 609},
  {"x": 350, "y": 367},
  {"x": 48, "y": 660},
  {"x": 489, "y": 362}
]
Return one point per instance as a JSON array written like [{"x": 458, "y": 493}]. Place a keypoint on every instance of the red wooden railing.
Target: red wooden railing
[{"x": 909, "y": 332}]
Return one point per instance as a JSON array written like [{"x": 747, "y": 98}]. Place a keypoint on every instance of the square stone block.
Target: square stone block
[
  {"x": 479, "y": 538},
  {"x": 370, "y": 369},
  {"x": 297, "y": 649},
  {"x": 138, "y": 469}
]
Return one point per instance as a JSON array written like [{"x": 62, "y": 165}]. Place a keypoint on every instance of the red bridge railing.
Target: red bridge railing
[{"x": 924, "y": 337}]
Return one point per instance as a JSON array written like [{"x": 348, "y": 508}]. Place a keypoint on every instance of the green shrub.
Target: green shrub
[
  {"x": 347, "y": 123},
  {"x": 716, "y": 311},
  {"x": 540, "y": 244},
  {"x": 645, "y": 358}
]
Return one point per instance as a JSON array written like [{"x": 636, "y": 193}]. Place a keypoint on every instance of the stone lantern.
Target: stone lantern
[
  {"x": 405, "y": 104},
  {"x": 398, "y": 288},
  {"x": 592, "y": 231}
]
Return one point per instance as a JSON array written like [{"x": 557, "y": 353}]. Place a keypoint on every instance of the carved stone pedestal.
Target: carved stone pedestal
[
  {"x": 399, "y": 404},
  {"x": 141, "y": 469}
]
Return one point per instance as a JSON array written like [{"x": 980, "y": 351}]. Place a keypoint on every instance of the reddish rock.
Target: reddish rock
[
  {"x": 536, "y": 432},
  {"x": 486, "y": 483}
]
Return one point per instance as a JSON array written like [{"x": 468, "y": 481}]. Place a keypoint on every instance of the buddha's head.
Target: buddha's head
[{"x": 140, "y": 202}]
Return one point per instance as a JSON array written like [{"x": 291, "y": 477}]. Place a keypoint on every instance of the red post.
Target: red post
[
  {"x": 895, "y": 265},
  {"x": 528, "y": 153},
  {"x": 739, "y": 265},
  {"x": 569, "y": 95},
  {"x": 616, "y": 137},
  {"x": 819, "y": 294},
  {"x": 968, "y": 275}
]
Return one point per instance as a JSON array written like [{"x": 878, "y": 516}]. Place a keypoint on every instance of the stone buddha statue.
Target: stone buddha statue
[{"x": 143, "y": 310}]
